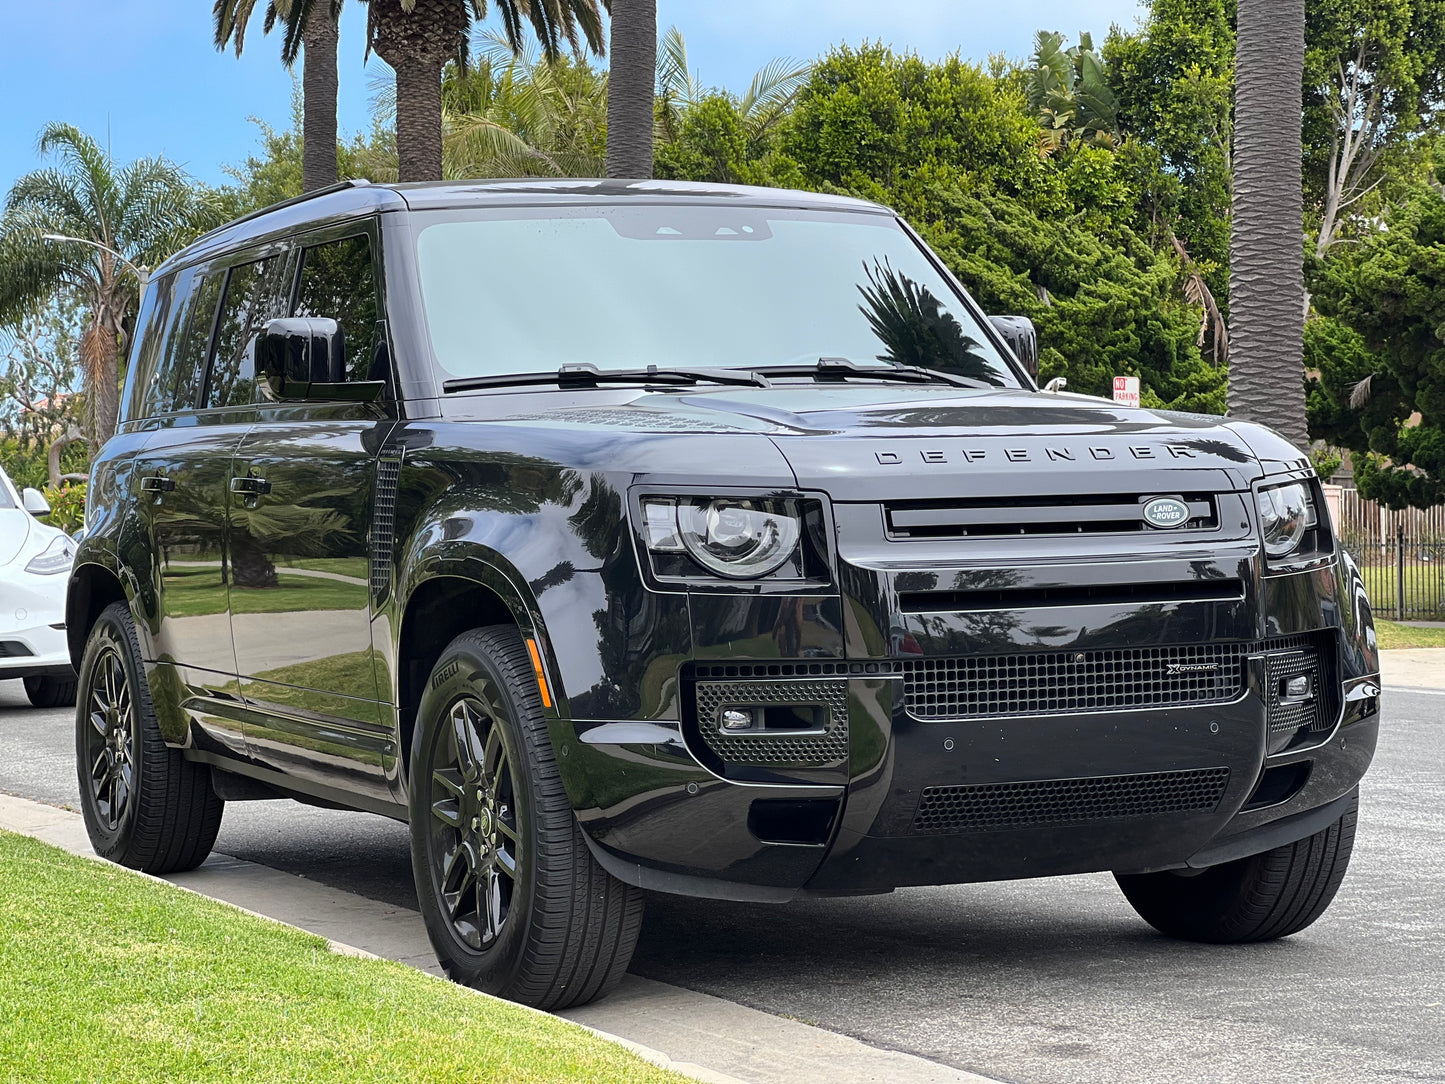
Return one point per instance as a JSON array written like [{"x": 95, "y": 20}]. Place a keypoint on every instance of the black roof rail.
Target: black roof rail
[{"x": 339, "y": 186}]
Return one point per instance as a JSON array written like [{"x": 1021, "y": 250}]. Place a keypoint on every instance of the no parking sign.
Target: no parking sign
[{"x": 1126, "y": 390}]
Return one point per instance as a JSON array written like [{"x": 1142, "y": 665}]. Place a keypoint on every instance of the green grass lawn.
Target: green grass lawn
[
  {"x": 1424, "y": 590},
  {"x": 199, "y": 590},
  {"x": 1392, "y": 635},
  {"x": 107, "y": 976}
]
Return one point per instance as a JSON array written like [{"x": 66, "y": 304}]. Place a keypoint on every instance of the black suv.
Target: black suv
[{"x": 706, "y": 540}]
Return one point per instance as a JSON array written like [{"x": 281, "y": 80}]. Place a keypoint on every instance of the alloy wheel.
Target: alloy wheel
[
  {"x": 475, "y": 836},
  {"x": 110, "y": 738}
]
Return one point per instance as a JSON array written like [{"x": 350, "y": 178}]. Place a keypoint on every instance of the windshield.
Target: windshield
[{"x": 621, "y": 287}]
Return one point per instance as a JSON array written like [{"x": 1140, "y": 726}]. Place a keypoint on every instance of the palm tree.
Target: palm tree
[
  {"x": 63, "y": 228},
  {"x": 1266, "y": 272},
  {"x": 631, "y": 83},
  {"x": 417, "y": 37},
  {"x": 309, "y": 23}
]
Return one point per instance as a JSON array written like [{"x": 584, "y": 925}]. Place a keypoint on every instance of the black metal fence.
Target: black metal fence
[{"x": 1400, "y": 553}]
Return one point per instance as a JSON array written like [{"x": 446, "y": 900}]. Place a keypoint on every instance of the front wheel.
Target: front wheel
[
  {"x": 513, "y": 900},
  {"x": 50, "y": 692},
  {"x": 1259, "y": 898}
]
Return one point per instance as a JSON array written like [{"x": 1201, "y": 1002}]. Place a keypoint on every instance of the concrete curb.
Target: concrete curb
[{"x": 696, "y": 1035}]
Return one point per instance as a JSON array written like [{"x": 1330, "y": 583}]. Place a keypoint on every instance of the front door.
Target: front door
[
  {"x": 300, "y": 518},
  {"x": 181, "y": 477}
]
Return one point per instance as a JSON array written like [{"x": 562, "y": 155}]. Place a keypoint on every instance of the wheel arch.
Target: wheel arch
[
  {"x": 445, "y": 597},
  {"x": 92, "y": 587}
]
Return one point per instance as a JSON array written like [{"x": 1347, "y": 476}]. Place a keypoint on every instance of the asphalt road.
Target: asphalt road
[{"x": 1041, "y": 981}]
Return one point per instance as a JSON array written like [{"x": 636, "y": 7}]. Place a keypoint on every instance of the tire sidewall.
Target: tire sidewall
[
  {"x": 109, "y": 630},
  {"x": 457, "y": 673}
]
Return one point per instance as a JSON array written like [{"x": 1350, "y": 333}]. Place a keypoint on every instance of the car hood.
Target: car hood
[{"x": 857, "y": 440}]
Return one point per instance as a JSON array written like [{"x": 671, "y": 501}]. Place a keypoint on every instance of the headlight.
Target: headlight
[
  {"x": 1286, "y": 514},
  {"x": 733, "y": 537},
  {"x": 57, "y": 557}
]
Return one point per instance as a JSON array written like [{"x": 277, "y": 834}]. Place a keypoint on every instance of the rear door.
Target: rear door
[{"x": 300, "y": 521}]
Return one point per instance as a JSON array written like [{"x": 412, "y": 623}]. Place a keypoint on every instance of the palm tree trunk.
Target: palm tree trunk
[
  {"x": 419, "y": 120},
  {"x": 417, "y": 43},
  {"x": 1266, "y": 273},
  {"x": 318, "y": 91},
  {"x": 99, "y": 350},
  {"x": 631, "y": 82}
]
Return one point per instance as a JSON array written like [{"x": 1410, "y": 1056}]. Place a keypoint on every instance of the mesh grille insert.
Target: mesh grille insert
[
  {"x": 1069, "y": 801},
  {"x": 1061, "y": 682},
  {"x": 1303, "y": 713},
  {"x": 794, "y": 750}
]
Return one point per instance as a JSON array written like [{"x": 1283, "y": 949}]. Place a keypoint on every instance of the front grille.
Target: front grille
[
  {"x": 806, "y": 749},
  {"x": 14, "y": 649},
  {"x": 1045, "y": 802},
  {"x": 1064, "y": 514},
  {"x": 1062, "y": 682}
]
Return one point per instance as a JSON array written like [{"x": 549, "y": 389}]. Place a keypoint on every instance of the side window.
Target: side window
[
  {"x": 187, "y": 352},
  {"x": 337, "y": 282},
  {"x": 170, "y": 363},
  {"x": 150, "y": 334},
  {"x": 249, "y": 302}
]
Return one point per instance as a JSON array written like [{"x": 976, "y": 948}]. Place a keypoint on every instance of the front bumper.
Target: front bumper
[
  {"x": 32, "y": 627},
  {"x": 1041, "y": 782}
]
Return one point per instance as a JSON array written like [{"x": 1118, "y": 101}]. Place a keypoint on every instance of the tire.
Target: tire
[
  {"x": 1259, "y": 898},
  {"x": 513, "y": 900},
  {"x": 145, "y": 806},
  {"x": 50, "y": 692}
]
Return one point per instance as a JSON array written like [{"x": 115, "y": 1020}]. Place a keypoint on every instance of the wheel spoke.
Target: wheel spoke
[
  {"x": 447, "y": 812},
  {"x": 465, "y": 733},
  {"x": 507, "y": 830},
  {"x": 468, "y": 882},
  {"x": 489, "y": 896},
  {"x": 443, "y": 777},
  {"x": 492, "y": 752},
  {"x": 100, "y": 770},
  {"x": 508, "y": 862},
  {"x": 97, "y": 721}
]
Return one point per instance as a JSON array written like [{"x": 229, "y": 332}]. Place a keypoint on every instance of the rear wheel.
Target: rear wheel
[
  {"x": 50, "y": 692},
  {"x": 1259, "y": 898},
  {"x": 513, "y": 900},
  {"x": 145, "y": 806}
]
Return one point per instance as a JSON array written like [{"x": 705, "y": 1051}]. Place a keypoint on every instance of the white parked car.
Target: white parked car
[{"x": 35, "y": 561}]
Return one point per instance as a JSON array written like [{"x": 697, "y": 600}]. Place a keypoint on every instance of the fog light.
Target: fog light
[
  {"x": 736, "y": 719},
  {"x": 1297, "y": 688}
]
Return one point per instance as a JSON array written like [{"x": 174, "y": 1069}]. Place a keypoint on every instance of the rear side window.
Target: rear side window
[
  {"x": 150, "y": 337},
  {"x": 250, "y": 301},
  {"x": 186, "y": 353},
  {"x": 337, "y": 282}
]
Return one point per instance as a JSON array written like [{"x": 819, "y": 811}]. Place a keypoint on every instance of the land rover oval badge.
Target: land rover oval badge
[{"x": 1166, "y": 513}]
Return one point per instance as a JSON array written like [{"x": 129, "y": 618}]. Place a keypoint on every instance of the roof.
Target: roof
[{"x": 351, "y": 198}]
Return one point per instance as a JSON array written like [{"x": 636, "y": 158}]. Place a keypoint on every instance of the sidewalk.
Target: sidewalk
[
  {"x": 1414, "y": 668},
  {"x": 703, "y": 1037}
]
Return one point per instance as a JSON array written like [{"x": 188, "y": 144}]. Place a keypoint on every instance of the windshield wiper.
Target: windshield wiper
[
  {"x": 843, "y": 368},
  {"x": 587, "y": 375}
]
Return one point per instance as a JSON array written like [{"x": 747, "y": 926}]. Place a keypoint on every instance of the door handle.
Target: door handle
[
  {"x": 252, "y": 487},
  {"x": 157, "y": 483}
]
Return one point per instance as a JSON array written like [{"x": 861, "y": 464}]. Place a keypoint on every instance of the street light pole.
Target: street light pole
[{"x": 141, "y": 274}]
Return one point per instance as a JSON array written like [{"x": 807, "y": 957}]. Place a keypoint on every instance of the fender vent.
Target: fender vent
[
  {"x": 383, "y": 526},
  {"x": 1068, "y": 801}
]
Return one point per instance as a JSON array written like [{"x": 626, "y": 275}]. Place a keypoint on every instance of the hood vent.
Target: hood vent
[{"x": 1073, "y": 514}]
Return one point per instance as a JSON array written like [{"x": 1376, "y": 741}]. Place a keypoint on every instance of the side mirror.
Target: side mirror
[
  {"x": 1022, "y": 339},
  {"x": 304, "y": 357},
  {"x": 35, "y": 502}
]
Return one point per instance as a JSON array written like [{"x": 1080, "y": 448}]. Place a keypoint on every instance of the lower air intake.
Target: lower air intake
[{"x": 1068, "y": 801}]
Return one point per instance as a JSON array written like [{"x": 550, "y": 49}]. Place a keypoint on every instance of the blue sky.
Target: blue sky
[{"x": 145, "y": 70}]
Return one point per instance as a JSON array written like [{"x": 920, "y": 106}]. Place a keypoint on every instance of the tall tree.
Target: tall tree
[
  {"x": 631, "y": 85},
  {"x": 141, "y": 212},
  {"x": 417, "y": 37},
  {"x": 1266, "y": 279},
  {"x": 312, "y": 25}
]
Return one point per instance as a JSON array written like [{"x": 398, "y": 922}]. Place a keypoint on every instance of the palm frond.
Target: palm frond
[{"x": 771, "y": 92}]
